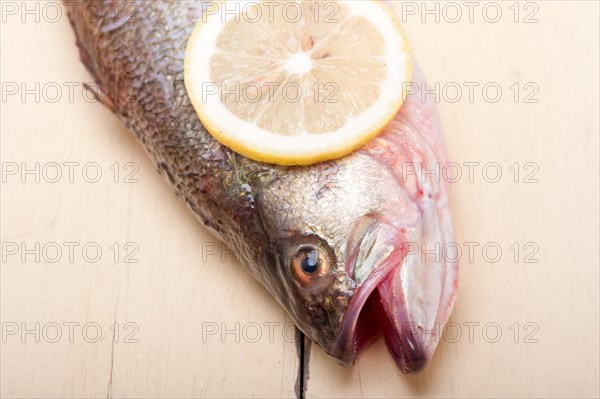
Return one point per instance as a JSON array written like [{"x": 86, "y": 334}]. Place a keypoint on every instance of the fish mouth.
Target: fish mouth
[{"x": 377, "y": 262}]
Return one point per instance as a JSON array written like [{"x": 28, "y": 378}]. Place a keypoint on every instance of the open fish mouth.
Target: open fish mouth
[{"x": 378, "y": 263}]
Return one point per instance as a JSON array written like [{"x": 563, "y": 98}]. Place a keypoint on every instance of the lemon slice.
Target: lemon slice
[{"x": 297, "y": 82}]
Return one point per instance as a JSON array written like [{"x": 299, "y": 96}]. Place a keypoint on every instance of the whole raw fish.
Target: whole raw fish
[{"x": 341, "y": 245}]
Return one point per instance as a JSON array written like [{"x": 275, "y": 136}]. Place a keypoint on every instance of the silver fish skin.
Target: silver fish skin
[{"x": 367, "y": 219}]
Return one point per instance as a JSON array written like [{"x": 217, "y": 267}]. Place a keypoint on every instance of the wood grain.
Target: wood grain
[{"x": 186, "y": 291}]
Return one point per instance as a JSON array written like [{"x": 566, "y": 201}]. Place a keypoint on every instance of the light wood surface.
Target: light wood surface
[{"x": 186, "y": 290}]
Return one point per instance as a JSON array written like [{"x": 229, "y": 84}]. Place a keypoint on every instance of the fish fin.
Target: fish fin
[
  {"x": 97, "y": 89},
  {"x": 99, "y": 93}
]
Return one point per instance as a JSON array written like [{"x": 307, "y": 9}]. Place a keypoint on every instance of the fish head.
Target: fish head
[{"x": 343, "y": 266}]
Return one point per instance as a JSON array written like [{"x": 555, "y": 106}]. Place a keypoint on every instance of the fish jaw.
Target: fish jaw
[
  {"x": 399, "y": 294},
  {"x": 377, "y": 254},
  {"x": 375, "y": 250},
  {"x": 406, "y": 330}
]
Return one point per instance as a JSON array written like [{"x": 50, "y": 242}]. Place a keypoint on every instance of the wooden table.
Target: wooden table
[{"x": 165, "y": 311}]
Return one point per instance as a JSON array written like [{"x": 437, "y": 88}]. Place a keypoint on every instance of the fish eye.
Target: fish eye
[{"x": 309, "y": 262}]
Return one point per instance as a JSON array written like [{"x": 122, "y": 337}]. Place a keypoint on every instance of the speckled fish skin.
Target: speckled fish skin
[{"x": 363, "y": 211}]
